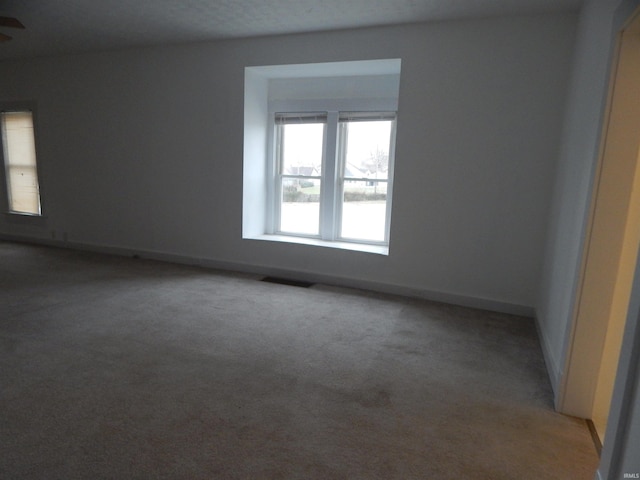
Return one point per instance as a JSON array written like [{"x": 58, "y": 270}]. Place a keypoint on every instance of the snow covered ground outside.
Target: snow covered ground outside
[{"x": 360, "y": 220}]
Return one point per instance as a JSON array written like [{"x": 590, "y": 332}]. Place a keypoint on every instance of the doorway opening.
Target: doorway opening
[{"x": 611, "y": 247}]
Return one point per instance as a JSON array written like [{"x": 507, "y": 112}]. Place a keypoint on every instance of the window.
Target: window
[
  {"x": 336, "y": 190},
  {"x": 299, "y": 153},
  {"x": 318, "y": 160},
  {"x": 366, "y": 156},
  {"x": 19, "y": 152}
]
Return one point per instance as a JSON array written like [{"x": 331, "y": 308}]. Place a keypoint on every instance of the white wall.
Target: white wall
[
  {"x": 576, "y": 168},
  {"x": 255, "y": 145},
  {"x": 141, "y": 150},
  {"x": 571, "y": 202}
]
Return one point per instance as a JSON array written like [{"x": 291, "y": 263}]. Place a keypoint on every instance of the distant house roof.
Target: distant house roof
[
  {"x": 350, "y": 170},
  {"x": 307, "y": 170}
]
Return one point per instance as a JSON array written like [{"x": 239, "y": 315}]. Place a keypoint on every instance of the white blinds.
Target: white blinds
[
  {"x": 302, "y": 117},
  {"x": 20, "y": 162},
  {"x": 367, "y": 116}
]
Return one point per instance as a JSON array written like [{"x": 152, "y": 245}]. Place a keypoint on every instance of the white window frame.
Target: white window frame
[
  {"x": 276, "y": 167},
  {"x": 6, "y": 162},
  {"x": 341, "y": 166},
  {"x": 332, "y": 176}
]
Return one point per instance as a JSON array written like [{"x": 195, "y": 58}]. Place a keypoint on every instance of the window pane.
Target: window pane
[
  {"x": 24, "y": 189},
  {"x": 20, "y": 162},
  {"x": 366, "y": 148},
  {"x": 300, "y": 206},
  {"x": 301, "y": 146},
  {"x": 364, "y": 210},
  {"x": 365, "y": 166}
]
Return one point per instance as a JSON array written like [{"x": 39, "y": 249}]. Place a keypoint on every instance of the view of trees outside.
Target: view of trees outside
[
  {"x": 365, "y": 163},
  {"x": 302, "y": 147}
]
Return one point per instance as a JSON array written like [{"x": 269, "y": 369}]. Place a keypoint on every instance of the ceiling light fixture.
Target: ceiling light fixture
[{"x": 9, "y": 22}]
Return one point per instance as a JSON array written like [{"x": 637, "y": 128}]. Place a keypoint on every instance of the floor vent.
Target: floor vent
[{"x": 287, "y": 281}]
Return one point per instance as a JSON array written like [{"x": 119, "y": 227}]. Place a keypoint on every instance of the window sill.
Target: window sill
[
  {"x": 17, "y": 218},
  {"x": 358, "y": 247},
  {"x": 23, "y": 214}
]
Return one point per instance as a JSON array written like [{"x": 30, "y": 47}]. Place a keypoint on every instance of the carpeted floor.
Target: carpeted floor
[{"x": 117, "y": 368}]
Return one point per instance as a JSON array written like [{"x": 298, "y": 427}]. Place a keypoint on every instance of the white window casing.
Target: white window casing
[{"x": 341, "y": 95}]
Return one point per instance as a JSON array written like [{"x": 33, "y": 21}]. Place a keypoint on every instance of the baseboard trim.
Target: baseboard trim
[
  {"x": 553, "y": 368},
  {"x": 594, "y": 436},
  {"x": 303, "y": 276}
]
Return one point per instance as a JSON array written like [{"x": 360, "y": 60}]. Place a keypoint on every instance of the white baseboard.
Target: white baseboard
[
  {"x": 553, "y": 369},
  {"x": 393, "y": 289}
]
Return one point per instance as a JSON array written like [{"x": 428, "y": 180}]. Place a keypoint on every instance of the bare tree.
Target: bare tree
[{"x": 378, "y": 161}]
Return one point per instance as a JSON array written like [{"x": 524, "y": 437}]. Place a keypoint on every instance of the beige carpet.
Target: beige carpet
[{"x": 117, "y": 368}]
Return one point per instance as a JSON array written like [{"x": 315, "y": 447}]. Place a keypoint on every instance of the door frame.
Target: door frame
[{"x": 617, "y": 162}]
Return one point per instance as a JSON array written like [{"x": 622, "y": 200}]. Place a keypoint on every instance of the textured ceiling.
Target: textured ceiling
[{"x": 72, "y": 26}]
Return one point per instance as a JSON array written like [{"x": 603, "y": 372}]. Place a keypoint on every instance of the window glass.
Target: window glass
[
  {"x": 300, "y": 206},
  {"x": 300, "y": 157},
  {"x": 339, "y": 191},
  {"x": 20, "y": 162},
  {"x": 302, "y": 149},
  {"x": 365, "y": 150}
]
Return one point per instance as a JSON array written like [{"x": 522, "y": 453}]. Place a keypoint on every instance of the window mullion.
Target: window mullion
[
  {"x": 328, "y": 224},
  {"x": 390, "y": 171}
]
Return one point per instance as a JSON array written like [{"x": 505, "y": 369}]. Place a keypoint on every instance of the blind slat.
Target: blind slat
[
  {"x": 303, "y": 117},
  {"x": 366, "y": 116},
  {"x": 321, "y": 117}
]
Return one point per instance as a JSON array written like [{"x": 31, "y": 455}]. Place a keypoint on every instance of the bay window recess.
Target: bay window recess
[
  {"x": 20, "y": 168},
  {"x": 318, "y": 161}
]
